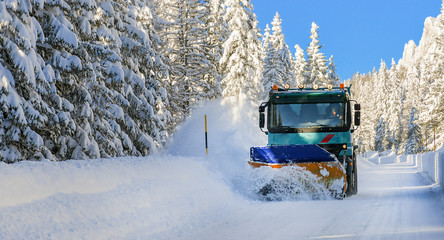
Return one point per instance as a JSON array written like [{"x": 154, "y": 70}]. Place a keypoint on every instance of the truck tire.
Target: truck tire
[
  {"x": 350, "y": 177},
  {"x": 355, "y": 176}
]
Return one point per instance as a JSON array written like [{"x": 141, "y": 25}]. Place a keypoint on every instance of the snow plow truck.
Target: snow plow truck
[{"x": 311, "y": 128}]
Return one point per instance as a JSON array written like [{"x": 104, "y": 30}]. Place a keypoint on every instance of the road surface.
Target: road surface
[{"x": 394, "y": 202}]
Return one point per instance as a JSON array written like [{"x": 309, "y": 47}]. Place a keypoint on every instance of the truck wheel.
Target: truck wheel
[
  {"x": 350, "y": 176},
  {"x": 355, "y": 176}
]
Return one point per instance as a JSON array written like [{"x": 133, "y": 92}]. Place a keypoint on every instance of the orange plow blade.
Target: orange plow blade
[{"x": 330, "y": 174}]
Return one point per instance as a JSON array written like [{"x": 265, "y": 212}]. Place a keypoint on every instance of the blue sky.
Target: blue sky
[{"x": 358, "y": 33}]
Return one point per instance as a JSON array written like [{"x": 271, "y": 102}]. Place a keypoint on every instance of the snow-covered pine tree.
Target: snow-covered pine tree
[
  {"x": 431, "y": 83},
  {"x": 85, "y": 100},
  {"x": 300, "y": 64},
  {"x": 333, "y": 78},
  {"x": 404, "y": 111},
  {"x": 241, "y": 60},
  {"x": 381, "y": 84},
  {"x": 413, "y": 144},
  {"x": 415, "y": 82},
  {"x": 389, "y": 139},
  {"x": 193, "y": 73},
  {"x": 380, "y": 136},
  {"x": 271, "y": 71},
  {"x": 394, "y": 105},
  {"x": 362, "y": 95},
  {"x": 63, "y": 25},
  {"x": 144, "y": 74},
  {"x": 413, "y": 96},
  {"x": 400, "y": 131},
  {"x": 363, "y": 91},
  {"x": 427, "y": 105},
  {"x": 266, "y": 38},
  {"x": 383, "y": 91},
  {"x": 217, "y": 30},
  {"x": 439, "y": 81},
  {"x": 278, "y": 38},
  {"x": 285, "y": 59},
  {"x": 316, "y": 64},
  {"x": 27, "y": 120}
]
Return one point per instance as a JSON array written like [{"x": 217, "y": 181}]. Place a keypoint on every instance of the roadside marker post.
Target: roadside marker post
[{"x": 206, "y": 136}]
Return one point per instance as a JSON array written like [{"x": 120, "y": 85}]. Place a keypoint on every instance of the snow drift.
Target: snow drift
[
  {"x": 183, "y": 194},
  {"x": 156, "y": 196}
]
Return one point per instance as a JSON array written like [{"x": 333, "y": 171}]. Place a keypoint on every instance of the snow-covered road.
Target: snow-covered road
[
  {"x": 172, "y": 197},
  {"x": 182, "y": 194},
  {"x": 394, "y": 202}
]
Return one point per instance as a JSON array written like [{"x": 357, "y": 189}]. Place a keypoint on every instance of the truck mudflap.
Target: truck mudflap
[{"x": 311, "y": 158}]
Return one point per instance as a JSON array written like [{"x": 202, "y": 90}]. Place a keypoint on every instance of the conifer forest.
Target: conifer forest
[{"x": 86, "y": 79}]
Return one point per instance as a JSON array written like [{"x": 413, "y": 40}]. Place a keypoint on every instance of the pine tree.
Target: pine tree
[
  {"x": 194, "y": 75},
  {"x": 389, "y": 140},
  {"x": 217, "y": 29},
  {"x": 400, "y": 132},
  {"x": 317, "y": 66},
  {"x": 75, "y": 96},
  {"x": 380, "y": 136},
  {"x": 415, "y": 83},
  {"x": 300, "y": 64},
  {"x": 283, "y": 54},
  {"x": 271, "y": 71},
  {"x": 143, "y": 79},
  {"x": 381, "y": 82},
  {"x": 278, "y": 38},
  {"x": 286, "y": 61},
  {"x": 414, "y": 137},
  {"x": 333, "y": 78},
  {"x": 267, "y": 38},
  {"x": 241, "y": 60},
  {"x": 432, "y": 76},
  {"x": 28, "y": 118},
  {"x": 370, "y": 114},
  {"x": 394, "y": 104}
]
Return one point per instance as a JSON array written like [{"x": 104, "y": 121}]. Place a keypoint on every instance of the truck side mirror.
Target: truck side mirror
[
  {"x": 262, "y": 115},
  {"x": 261, "y": 120},
  {"x": 357, "y": 107},
  {"x": 357, "y": 118}
]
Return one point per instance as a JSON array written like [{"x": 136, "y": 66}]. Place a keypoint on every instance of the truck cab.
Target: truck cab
[{"x": 314, "y": 116}]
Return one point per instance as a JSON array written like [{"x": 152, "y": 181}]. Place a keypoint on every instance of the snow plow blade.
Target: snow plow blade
[{"x": 312, "y": 158}]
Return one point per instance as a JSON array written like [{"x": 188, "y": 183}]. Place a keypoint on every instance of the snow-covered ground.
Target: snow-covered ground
[{"x": 183, "y": 194}]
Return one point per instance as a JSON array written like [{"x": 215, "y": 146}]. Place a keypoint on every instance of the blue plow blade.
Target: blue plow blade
[{"x": 287, "y": 154}]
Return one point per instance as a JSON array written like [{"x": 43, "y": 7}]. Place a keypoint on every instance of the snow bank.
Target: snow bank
[
  {"x": 385, "y": 157},
  {"x": 104, "y": 198},
  {"x": 431, "y": 164}
]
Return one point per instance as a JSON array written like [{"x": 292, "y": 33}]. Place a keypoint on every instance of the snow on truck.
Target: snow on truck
[{"x": 311, "y": 128}]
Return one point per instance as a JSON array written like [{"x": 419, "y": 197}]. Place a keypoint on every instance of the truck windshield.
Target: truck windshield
[{"x": 307, "y": 115}]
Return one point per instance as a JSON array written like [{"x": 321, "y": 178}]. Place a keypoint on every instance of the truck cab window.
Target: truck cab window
[{"x": 307, "y": 115}]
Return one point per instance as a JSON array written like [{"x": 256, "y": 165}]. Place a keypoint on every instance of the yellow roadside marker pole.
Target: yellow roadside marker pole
[
  {"x": 206, "y": 136},
  {"x": 434, "y": 140}
]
